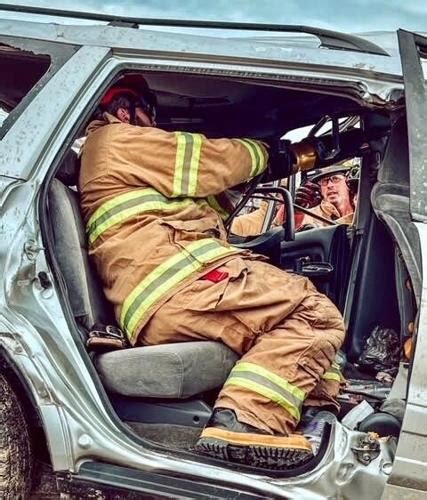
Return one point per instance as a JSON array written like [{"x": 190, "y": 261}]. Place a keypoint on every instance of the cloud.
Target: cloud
[{"x": 349, "y": 16}]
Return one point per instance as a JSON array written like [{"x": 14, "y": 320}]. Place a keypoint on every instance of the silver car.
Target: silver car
[{"x": 123, "y": 422}]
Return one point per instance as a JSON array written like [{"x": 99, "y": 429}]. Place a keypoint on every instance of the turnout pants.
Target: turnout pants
[{"x": 286, "y": 332}]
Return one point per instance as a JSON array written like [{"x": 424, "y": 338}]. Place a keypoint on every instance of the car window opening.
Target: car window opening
[{"x": 21, "y": 70}]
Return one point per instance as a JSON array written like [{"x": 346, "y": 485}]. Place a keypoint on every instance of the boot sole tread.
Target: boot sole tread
[{"x": 266, "y": 457}]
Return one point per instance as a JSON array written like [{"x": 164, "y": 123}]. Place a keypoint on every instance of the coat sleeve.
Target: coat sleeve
[
  {"x": 183, "y": 164},
  {"x": 250, "y": 224}
]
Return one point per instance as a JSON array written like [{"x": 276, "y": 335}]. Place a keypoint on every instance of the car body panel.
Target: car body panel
[
  {"x": 410, "y": 465},
  {"x": 192, "y": 48},
  {"x": 28, "y": 142},
  {"x": 78, "y": 421},
  {"x": 413, "y": 48}
]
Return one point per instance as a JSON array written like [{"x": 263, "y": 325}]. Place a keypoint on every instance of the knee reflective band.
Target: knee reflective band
[
  {"x": 165, "y": 278},
  {"x": 120, "y": 208},
  {"x": 186, "y": 164},
  {"x": 259, "y": 161},
  {"x": 268, "y": 384},
  {"x": 334, "y": 373}
]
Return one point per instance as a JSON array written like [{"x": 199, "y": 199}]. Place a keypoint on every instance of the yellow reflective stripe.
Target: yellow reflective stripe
[
  {"x": 283, "y": 383},
  {"x": 122, "y": 198},
  {"x": 213, "y": 202},
  {"x": 257, "y": 155},
  {"x": 266, "y": 392},
  {"x": 179, "y": 163},
  {"x": 331, "y": 376},
  {"x": 252, "y": 155},
  {"x": 334, "y": 373},
  {"x": 260, "y": 377},
  {"x": 122, "y": 207},
  {"x": 178, "y": 276},
  {"x": 128, "y": 213},
  {"x": 194, "y": 164},
  {"x": 187, "y": 164},
  {"x": 167, "y": 276},
  {"x": 261, "y": 162}
]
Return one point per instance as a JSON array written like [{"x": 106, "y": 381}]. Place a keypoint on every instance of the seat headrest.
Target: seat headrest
[{"x": 68, "y": 172}]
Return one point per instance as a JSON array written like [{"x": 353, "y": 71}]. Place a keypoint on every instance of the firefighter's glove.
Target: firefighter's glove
[
  {"x": 309, "y": 195},
  {"x": 280, "y": 160}
]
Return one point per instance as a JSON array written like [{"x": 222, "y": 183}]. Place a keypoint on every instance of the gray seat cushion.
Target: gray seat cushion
[{"x": 177, "y": 370}]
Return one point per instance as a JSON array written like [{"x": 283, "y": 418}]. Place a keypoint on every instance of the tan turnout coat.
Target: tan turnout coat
[{"x": 147, "y": 198}]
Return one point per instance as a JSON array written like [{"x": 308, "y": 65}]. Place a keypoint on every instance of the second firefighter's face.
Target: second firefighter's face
[{"x": 335, "y": 190}]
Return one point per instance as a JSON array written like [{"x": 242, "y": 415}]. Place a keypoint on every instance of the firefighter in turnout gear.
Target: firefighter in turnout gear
[
  {"x": 331, "y": 193},
  {"x": 151, "y": 200}
]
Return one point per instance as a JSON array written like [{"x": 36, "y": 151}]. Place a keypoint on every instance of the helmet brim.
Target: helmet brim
[{"x": 327, "y": 171}]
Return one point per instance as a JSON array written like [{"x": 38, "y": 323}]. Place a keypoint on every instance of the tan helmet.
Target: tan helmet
[{"x": 339, "y": 168}]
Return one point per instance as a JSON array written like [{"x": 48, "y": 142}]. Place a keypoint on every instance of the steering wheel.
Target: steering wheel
[
  {"x": 269, "y": 242},
  {"x": 251, "y": 186}
]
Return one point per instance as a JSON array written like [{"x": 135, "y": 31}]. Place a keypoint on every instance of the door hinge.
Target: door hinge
[{"x": 32, "y": 251}]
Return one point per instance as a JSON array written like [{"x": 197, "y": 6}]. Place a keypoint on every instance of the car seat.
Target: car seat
[{"x": 176, "y": 371}]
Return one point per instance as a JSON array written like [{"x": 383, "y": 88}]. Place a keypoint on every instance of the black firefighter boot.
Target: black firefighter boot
[{"x": 226, "y": 438}]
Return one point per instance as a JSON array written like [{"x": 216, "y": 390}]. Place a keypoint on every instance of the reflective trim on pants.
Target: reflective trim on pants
[
  {"x": 268, "y": 384},
  {"x": 167, "y": 276},
  {"x": 334, "y": 373}
]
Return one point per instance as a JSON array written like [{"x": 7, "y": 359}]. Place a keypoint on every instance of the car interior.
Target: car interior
[{"x": 165, "y": 393}]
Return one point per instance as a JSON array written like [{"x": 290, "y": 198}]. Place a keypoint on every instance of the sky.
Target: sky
[{"x": 356, "y": 16}]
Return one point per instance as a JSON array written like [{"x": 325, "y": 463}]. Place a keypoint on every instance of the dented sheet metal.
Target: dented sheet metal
[{"x": 21, "y": 151}]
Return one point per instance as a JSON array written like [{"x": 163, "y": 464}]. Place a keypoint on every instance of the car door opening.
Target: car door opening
[{"x": 165, "y": 392}]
